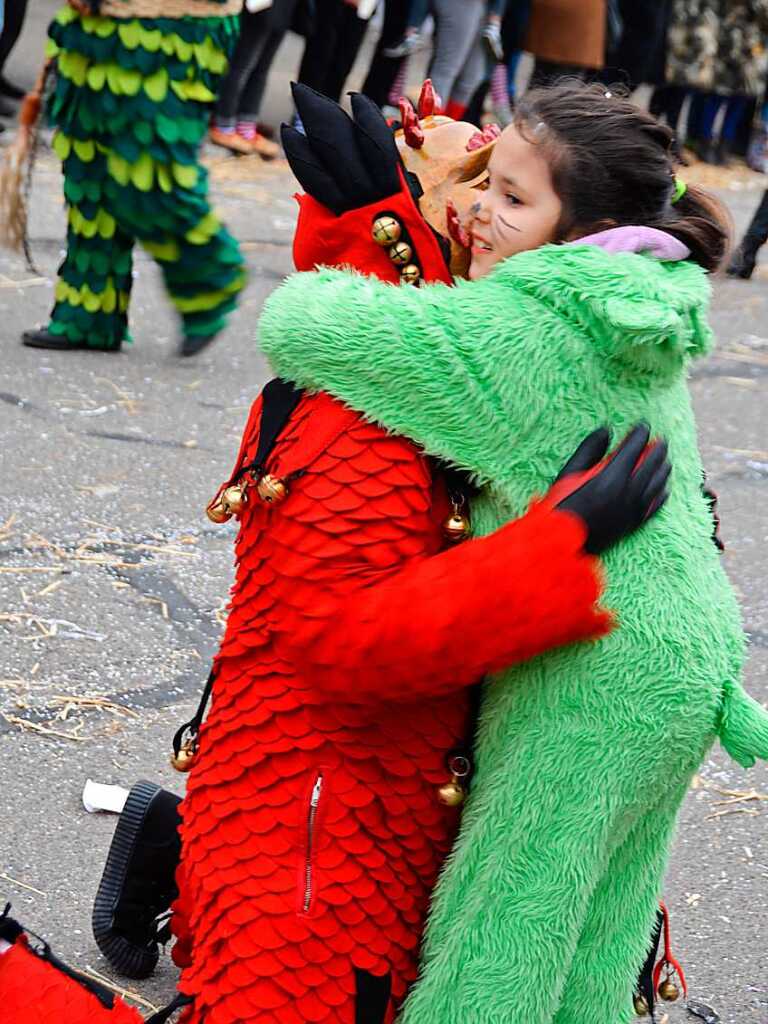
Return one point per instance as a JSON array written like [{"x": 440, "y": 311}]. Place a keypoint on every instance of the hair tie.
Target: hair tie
[{"x": 680, "y": 189}]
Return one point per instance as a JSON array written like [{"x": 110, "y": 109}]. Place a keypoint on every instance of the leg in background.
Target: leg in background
[
  {"x": 321, "y": 44},
  {"x": 94, "y": 285},
  {"x": 384, "y": 70},
  {"x": 254, "y": 31},
  {"x": 15, "y": 13},
  {"x": 744, "y": 259},
  {"x": 457, "y": 28},
  {"x": 472, "y": 78},
  {"x": 253, "y": 94},
  {"x": 349, "y": 39}
]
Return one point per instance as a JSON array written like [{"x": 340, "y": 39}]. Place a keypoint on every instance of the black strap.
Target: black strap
[
  {"x": 163, "y": 1015},
  {"x": 279, "y": 399},
  {"x": 193, "y": 725},
  {"x": 645, "y": 979},
  {"x": 372, "y": 994}
]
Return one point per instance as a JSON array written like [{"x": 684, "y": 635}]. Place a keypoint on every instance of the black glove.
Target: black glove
[
  {"x": 343, "y": 162},
  {"x": 622, "y": 495}
]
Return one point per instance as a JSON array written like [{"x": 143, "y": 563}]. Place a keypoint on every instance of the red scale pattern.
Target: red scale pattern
[
  {"x": 346, "y": 659},
  {"x": 33, "y": 991}
]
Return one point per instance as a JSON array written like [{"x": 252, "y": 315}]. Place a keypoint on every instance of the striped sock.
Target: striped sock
[
  {"x": 247, "y": 129},
  {"x": 499, "y": 92},
  {"x": 225, "y": 126},
  {"x": 398, "y": 83}
]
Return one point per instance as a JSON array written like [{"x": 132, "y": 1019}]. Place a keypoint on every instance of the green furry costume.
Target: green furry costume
[
  {"x": 583, "y": 755},
  {"x": 131, "y": 105}
]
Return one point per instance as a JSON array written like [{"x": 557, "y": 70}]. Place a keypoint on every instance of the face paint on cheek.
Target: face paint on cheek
[{"x": 506, "y": 226}]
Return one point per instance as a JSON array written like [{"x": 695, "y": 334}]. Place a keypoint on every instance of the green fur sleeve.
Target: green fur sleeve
[{"x": 424, "y": 362}]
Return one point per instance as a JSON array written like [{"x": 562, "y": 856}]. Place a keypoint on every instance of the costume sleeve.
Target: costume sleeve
[
  {"x": 424, "y": 362},
  {"x": 443, "y": 622}
]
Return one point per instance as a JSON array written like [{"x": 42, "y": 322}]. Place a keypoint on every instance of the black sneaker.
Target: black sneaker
[
  {"x": 138, "y": 884},
  {"x": 742, "y": 262},
  {"x": 43, "y": 338}
]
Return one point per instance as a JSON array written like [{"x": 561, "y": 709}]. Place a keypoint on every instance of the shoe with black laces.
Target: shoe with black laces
[{"x": 139, "y": 884}]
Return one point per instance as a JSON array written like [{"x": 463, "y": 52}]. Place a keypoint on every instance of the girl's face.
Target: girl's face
[{"x": 518, "y": 210}]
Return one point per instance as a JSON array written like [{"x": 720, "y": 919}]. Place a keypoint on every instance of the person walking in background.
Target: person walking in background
[
  {"x": 744, "y": 258},
  {"x": 131, "y": 107},
  {"x": 237, "y": 111},
  {"x": 717, "y": 56}
]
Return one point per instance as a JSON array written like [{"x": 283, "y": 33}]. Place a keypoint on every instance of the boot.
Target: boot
[
  {"x": 138, "y": 884},
  {"x": 745, "y": 257}
]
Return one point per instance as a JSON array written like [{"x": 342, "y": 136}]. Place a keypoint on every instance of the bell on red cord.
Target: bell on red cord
[{"x": 271, "y": 489}]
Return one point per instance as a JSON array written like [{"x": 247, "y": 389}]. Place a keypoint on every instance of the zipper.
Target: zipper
[{"x": 314, "y": 803}]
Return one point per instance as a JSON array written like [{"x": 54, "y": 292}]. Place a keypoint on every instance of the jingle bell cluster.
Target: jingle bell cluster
[
  {"x": 387, "y": 232},
  {"x": 232, "y": 499},
  {"x": 667, "y": 990}
]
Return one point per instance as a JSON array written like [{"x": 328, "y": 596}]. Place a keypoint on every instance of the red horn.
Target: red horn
[
  {"x": 455, "y": 227},
  {"x": 427, "y": 99},
  {"x": 412, "y": 130}
]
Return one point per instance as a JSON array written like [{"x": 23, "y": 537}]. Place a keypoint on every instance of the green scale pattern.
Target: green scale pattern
[{"x": 131, "y": 107}]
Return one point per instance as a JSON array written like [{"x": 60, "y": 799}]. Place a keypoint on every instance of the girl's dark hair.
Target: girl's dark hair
[{"x": 612, "y": 164}]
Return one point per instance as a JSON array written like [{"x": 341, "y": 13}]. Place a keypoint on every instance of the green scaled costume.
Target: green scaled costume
[
  {"x": 131, "y": 106},
  {"x": 585, "y": 754}
]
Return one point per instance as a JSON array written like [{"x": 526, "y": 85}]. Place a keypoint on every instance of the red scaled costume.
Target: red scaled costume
[
  {"x": 312, "y": 829},
  {"x": 312, "y": 833}
]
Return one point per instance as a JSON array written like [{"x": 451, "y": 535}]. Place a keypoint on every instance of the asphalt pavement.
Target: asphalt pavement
[{"x": 113, "y": 583}]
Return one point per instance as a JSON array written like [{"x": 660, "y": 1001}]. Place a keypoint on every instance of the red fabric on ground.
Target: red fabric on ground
[{"x": 32, "y": 991}]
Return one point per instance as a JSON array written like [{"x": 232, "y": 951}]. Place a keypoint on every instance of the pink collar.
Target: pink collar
[{"x": 636, "y": 238}]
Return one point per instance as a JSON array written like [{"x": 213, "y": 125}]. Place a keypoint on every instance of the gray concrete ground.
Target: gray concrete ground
[{"x": 112, "y": 582}]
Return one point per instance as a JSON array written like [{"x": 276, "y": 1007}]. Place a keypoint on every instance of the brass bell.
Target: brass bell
[
  {"x": 400, "y": 253},
  {"x": 456, "y": 527},
  {"x": 386, "y": 230},
  {"x": 217, "y": 511},
  {"x": 410, "y": 274},
  {"x": 185, "y": 758},
  {"x": 233, "y": 499},
  {"x": 272, "y": 490},
  {"x": 669, "y": 991},
  {"x": 642, "y": 1009},
  {"x": 452, "y": 793}
]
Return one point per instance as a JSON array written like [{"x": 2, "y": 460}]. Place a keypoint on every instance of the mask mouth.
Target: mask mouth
[{"x": 480, "y": 245}]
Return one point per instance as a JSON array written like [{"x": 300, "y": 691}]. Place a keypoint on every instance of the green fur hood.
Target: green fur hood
[{"x": 650, "y": 312}]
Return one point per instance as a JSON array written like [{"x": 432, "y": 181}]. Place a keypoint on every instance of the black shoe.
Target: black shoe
[
  {"x": 139, "y": 883},
  {"x": 43, "y": 338},
  {"x": 742, "y": 263},
  {"x": 13, "y": 92},
  {"x": 194, "y": 343}
]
